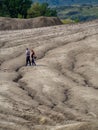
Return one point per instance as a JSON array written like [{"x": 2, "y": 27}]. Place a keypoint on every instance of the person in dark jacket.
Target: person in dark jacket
[
  {"x": 33, "y": 57},
  {"x": 28, "y": 57}
]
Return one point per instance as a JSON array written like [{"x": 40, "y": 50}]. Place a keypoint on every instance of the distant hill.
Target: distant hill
[
  {"x": 67, "y": 2},
  {"x": 78, "y": 13}
]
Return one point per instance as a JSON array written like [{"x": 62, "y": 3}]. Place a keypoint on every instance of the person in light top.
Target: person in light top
[{"x": 28, "y": 57}]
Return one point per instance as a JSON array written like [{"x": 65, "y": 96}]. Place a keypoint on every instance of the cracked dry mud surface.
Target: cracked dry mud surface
[{"x": 61, "y": 92}]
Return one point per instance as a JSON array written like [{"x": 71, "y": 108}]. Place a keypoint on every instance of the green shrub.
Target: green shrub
[
  {"x": 67, "y": 21},
  {"x": 38, "y": 9}
]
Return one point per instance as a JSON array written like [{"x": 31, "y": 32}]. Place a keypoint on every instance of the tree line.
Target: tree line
[{"x": 25, "y": 9}]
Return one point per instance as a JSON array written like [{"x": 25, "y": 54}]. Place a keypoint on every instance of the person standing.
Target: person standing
[
  {"x": 28, "y": 57},
  {"x": 33, "y": 56}
]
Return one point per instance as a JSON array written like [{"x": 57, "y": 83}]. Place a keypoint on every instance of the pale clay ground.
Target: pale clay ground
[{"x": 61, "y": 92}]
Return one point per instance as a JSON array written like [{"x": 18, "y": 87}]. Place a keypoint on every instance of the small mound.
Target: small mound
[{"x": 14, "y": 24}]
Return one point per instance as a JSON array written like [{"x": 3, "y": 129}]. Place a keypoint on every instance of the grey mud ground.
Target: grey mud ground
[{"x": 61, "y": 92}]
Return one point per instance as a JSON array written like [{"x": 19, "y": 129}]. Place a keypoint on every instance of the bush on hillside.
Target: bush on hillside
[{"x": 38, "y": 9}]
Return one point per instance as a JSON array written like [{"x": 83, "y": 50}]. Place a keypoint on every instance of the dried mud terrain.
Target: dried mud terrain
[{"x": 61, "y": 92}]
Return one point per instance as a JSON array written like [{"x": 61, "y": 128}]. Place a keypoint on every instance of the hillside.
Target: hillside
[
  {"x": 15, "y": 23},
  {"x": 78, "y": 13},
  {"x": 67, "y": 2},
  {"x": 61, "y": 92}
]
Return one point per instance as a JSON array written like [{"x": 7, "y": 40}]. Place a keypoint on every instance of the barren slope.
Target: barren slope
[
  {"x": 15, "y": 23},
  {"x": 61, "y": 92}
]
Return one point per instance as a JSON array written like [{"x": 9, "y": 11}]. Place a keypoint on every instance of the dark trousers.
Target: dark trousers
[
  {"x": 28, "y": 60},
  {"x": 33, "y": 62}
]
